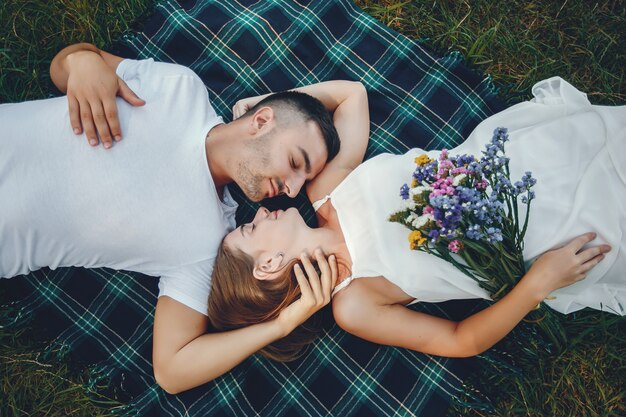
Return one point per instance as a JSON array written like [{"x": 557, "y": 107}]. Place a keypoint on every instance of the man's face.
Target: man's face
[{"x": 280, "y": 161}]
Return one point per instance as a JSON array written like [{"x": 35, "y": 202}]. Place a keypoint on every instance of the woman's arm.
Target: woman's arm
[
  {"x": 397, "y": 325},
  {"x": 88, "y": 76},
  {"x": 348, "y": 102},
  {"x": 351, "y": 119},
  {"x": 185, "y": 356}
]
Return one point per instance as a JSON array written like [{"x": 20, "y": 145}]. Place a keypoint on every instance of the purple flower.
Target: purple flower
[
  {"x": 474, "y": 167},
  {"x": 473, "y": 232},
  {"x": 493, "y": 235},
  {"x": 500, "y": 135},
  {"x": 467, "y": 195},
  {"x": 528, "y": 180},
  {"x": 404, "y": 192},
  {"x": 464, "y": 160},
  {"x": 425, "y": 173}
]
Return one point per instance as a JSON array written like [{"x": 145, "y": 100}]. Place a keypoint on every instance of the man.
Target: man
[{"x": 157, "y": 201}]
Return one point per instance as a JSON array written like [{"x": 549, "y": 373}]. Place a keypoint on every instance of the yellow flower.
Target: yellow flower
[
  {"x": 416, "y": 239},
  {"x": 414, "y": 183},
  {"x": 422, "y": 160}
]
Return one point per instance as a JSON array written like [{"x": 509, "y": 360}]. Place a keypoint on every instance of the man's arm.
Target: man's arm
[
  {"x": 88, "y": 76},
  {"x": 185, "y": 356}
]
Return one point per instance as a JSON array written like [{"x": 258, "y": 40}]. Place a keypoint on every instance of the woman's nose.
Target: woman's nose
[{"x": 261, "y": 213}]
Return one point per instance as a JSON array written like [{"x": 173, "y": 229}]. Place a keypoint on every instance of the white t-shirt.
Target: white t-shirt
[{"x": 149, "y": 204}]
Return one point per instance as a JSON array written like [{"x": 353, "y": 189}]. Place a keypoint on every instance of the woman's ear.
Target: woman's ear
[{"x": 270, "y": 268}]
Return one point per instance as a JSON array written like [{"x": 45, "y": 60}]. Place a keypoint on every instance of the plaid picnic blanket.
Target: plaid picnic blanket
[{"x": 243, "y": 48}]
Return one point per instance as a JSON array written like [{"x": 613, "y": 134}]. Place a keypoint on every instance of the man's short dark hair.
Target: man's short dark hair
[{"x": 303, "y": 107}]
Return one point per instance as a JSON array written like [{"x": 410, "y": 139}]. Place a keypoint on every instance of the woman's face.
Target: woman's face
[{"x": 272, "y": 238}]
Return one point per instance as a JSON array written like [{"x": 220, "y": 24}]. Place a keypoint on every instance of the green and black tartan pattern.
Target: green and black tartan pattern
[{"x": 239, "y": 49}]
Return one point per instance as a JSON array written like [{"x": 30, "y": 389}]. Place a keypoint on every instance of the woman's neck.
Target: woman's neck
[{"x": 331, "y": 240}]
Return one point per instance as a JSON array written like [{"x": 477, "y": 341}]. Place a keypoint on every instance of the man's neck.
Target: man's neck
[{"x": 218, "y": 155}]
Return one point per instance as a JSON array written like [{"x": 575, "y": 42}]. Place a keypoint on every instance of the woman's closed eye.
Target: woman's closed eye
[{"x": 247, "y": 228}]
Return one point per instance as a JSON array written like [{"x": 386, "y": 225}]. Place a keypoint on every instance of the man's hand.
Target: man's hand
[
  {"x": 315, "y": 291},
  {"x": 242, "y": 106},
  {"x": 92, "y": 86},
  {"x": 88, "y": 76}
]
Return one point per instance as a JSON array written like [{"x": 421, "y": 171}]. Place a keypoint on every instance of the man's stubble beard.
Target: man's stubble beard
[{"x": 249, "y": 169}]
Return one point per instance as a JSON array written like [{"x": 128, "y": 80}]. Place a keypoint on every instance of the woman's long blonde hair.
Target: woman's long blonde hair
[{"x": 237, "y": 299}]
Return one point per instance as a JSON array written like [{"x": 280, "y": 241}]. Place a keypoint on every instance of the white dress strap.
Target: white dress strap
[
  {"x": 343, "y": 284},
  {"x": 319, "y": 203}
]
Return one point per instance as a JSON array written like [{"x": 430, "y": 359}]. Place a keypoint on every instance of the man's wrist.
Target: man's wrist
[{"x": 75, "y": 57}]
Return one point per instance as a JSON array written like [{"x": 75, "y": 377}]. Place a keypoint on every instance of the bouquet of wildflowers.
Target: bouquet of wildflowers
[{"x": 465, "y": 210}]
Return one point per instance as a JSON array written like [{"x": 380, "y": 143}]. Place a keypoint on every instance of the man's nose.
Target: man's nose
[{"x": 293, "y": 185}]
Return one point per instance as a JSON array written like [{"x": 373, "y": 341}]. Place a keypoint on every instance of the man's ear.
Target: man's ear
[
  {"x": 262, "y": 120},
  {"x": 270, "y": 268}
]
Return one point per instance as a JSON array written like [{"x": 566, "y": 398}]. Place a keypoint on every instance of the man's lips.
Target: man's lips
[{"x": 272, "y": 192}]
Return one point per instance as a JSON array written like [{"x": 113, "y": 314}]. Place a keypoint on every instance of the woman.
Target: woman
[{"x": 576, "y": 151}]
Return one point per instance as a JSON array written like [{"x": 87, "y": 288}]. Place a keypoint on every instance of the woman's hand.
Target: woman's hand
[
  {"x": 567, "y": 265},
  {"x": 92, "y": 86},
  {"x": 242, "y": 106},
  {"x": 315, "y": 291}
]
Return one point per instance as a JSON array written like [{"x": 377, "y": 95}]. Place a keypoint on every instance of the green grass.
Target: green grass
[
  {"x": 522, "y": 42},
  {"x": 33, "y": 387},
  {"x": 33, "y": 31},
  {"x": 585, "y": 379},
  {"x": 517, "y": 42}
]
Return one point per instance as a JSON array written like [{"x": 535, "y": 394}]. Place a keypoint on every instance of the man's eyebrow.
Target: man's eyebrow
[{"x": 307, "y": 161}]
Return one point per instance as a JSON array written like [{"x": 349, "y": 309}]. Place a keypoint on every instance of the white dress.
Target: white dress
[{"x": 577, "y": 153}]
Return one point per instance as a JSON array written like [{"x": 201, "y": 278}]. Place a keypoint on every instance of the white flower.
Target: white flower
[
  {"x": 409, "y": 204},
  {"x": 457, "y": 180},
  {"x": 418, "y": 190},
  {"x": 422, "y": 220},
  {"x": 411, "y": 217}
]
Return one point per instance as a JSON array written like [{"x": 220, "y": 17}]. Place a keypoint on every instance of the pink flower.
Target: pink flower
[
  {"x": 428, "y": 210},
  {"x": 455, "y": 246},
  {"x": 481, "y": 185},
  {"x": 444, "y": 167}
]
